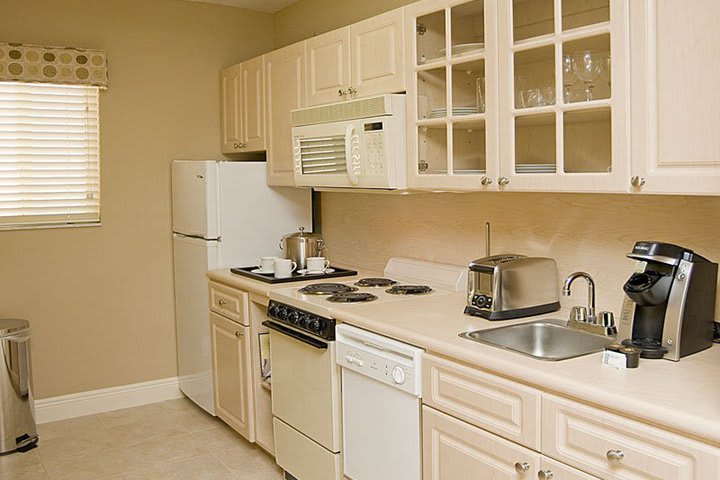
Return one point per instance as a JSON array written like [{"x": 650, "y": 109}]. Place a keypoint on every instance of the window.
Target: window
[{"x": 49, "y": 155}]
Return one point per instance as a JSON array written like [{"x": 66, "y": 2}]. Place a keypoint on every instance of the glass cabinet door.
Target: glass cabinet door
[
  {"x": 564, "y": 100},
  {"x": 449, "y": 72}
]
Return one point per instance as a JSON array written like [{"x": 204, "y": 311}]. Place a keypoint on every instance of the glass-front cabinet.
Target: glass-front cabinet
[
  {"x": 452, "y": 125},
  {"x": 563, "y": 93}
]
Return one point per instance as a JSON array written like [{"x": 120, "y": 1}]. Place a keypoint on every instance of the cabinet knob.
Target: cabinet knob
[
  {"x": 342, "y": 92},
  {"x": 236, "y": 146},
  {"x": 502, "y": 181},
  {"x": 486, "y": 181},
  {"x": 222, "y": 302},
  {"x": 239, "y": 333},
  {"x": 637, "y": 181},
  {"x": 522, "y": 467},
  {"x": 615, "y": 455},
  {"x": 352, "y": 91},
  {"x": 545, "y": 475}
]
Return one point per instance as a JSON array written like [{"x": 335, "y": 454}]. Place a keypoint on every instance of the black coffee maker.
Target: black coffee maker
[{"x": 670, "y": 306}]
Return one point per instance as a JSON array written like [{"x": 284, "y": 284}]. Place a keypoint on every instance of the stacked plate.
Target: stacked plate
[
  {"x": 535, "y": 168},
  {"x": 457, "y": 111},
  {"x": 464, "y": 48}
]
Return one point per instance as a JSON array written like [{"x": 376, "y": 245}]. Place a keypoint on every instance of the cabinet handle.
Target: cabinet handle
[
  {"x": 236, "y": 146},
  {"x": 222, "y": 302},
  {"x": 239, "y": 333},
  {"x": 351, "y": 90},
  {"x": 485, "y": 181},
  {"x": 615, "y": 455},
  {"x": 637, "y": 181},
  {"x": 545, "y": 475},
  {"x": 342, "y": 92},
  {"x": 502, "y": 181},
  {"x": 522, "y": 467}
]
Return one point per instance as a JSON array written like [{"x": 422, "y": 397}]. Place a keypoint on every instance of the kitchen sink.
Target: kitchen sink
[{"x": 547, "y": 339}]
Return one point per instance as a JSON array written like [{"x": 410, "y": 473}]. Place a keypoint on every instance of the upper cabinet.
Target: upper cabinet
[
  {"x": 676, "y": 113},
  {"x": 452, "y": 108},
  {"x": 564, "y": 96},
  {"x": 361, "y": 60},
  {"x": 231, "y": 110},
  {"x": 243, "y": 107},
  {"x": 285, "y": 80}
]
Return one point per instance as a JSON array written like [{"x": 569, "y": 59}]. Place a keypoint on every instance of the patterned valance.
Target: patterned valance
[{"x": 68, "y": 66}]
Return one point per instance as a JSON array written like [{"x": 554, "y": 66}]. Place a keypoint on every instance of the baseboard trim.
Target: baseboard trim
[{"x": 106, "y": 400}]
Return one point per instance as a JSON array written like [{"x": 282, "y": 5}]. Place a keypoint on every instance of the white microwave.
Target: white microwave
[{"x": 354, "y": 144}]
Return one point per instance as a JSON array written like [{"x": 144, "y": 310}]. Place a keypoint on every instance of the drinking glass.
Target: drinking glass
[
  {"x": 587, "y": 69},
  {"x": 568, "y": 64},
  {"x": 480, "y": 93}
]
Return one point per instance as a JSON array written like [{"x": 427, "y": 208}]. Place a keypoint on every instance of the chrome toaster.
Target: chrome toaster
[{"x": 502, "y": 287}]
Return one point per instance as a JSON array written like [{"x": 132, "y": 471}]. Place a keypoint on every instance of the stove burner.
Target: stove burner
[
  {"x": 326, "y": 289},
  {"x": 409, "y": 290},
  {"x": 375, "y": 282},
  {"x": 352, "y": 297}
]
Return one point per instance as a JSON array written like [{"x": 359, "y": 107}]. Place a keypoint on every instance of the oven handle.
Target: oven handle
[{"x": 296, "y": 335}]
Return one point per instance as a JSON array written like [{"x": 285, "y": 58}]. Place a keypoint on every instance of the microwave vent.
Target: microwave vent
[{"x": 339, "y": 112}]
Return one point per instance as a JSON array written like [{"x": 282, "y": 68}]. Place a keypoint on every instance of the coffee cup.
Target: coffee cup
[
  {"x": 284, "y": 267},
  {"x": 267, "y": 264},
  {"x": 317, "y": 264}
]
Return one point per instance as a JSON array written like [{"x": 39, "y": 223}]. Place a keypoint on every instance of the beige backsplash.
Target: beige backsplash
[{"x": 583, "y": 232}]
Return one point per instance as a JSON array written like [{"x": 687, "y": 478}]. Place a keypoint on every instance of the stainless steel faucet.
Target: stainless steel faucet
[
  {"x": 589, "y": 313},
  {"x": 584, "y": 318}
]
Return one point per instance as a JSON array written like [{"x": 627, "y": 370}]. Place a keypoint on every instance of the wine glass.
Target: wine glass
[
  {"x": 606, "y": 68},
  {"x": 568, "y": 64},
  {"x": 587, "y": 69}
]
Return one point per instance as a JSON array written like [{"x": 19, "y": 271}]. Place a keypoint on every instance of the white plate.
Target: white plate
[
  {"x": 464, "y": 48},
  {"x": 305, "y": 271},
  {"x": 264, "y": 272}
]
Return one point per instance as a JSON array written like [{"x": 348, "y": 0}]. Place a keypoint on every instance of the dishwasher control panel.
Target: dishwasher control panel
[{"x": 384, "y": 359}]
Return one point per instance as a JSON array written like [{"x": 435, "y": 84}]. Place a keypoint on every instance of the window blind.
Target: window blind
[{"x": 49, "y": 154}]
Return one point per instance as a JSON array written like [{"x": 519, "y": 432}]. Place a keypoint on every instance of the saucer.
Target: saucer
[
  {"x": 305, "y": 271},
  {"x": 264, "y": 272}
]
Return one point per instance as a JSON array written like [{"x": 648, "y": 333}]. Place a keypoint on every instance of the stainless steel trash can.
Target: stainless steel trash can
[{"x": 17, "y": 415}]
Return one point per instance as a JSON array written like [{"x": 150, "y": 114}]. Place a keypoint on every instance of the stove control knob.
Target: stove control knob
[
  {"x": 302, "y": 320},
  {"x": 349, "y": 358},
  {"x": 315, "y": 326},
  {"x": 293, "y": 317},
  {"x": 398, "y": 375},
  {"x": 281, "y": 313}
]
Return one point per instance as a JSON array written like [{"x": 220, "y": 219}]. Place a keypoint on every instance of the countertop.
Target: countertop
[{"x": 679, "y": 396}]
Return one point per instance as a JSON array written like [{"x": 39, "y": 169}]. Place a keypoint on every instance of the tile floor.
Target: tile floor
[{"x": 173, "y": 440}]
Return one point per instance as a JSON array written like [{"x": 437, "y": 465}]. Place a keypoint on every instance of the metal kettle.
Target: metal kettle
[{"x": 298, "y": 246}]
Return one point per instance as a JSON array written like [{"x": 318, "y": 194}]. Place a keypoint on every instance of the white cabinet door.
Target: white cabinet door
[
  {"x": 564, "y": 130},
  {"x": 230, "y": 91},
  {"x": 617, "y": 448},
  {"x": 378, "y": 55},
  {"x": 253, "y": 105},
  {"x": 285, "y": 81},
  {"x": 328, "y": 67},
  {"x": 676, "y": 99},
  {"x": 455, "y": 450},
  {"x": 231, "y": 374}
]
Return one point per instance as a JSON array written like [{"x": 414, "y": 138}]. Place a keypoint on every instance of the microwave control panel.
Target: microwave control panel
[{"x": 374, "y": 136}]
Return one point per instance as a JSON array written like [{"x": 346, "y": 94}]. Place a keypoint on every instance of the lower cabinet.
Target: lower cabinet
[
  {"x": 578, "y": 442},
  {"x": 455, "y": 450},
  {"x": 231, "y": 374}
]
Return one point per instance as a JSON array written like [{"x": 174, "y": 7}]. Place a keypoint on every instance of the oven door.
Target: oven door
[{"x": 306, "y": 385}]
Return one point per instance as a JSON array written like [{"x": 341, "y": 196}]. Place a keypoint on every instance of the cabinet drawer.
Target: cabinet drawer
[
  {"x": 455, "y": 450},
  {"x": 617, "y": 448},
  {"x": 229, "y": 303},
  {"x": 500, "y": 406}
]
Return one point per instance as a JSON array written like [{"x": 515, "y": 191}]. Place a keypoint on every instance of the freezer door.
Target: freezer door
[
  {"x": 193, "y": 258},
  {"x": 195, "y": 197}
]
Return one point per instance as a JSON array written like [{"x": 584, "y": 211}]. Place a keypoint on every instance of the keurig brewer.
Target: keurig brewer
[{"x": 670, "y": 305}]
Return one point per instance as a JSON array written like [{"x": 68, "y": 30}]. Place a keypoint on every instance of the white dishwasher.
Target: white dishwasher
[{"x": 381, "y": 392}]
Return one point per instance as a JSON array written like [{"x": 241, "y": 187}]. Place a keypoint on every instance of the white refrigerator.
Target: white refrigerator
[{"x": 224, "y": 215}]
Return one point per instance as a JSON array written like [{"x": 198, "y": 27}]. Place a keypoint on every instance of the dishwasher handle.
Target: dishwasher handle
[{"x": 306, "y": 339}]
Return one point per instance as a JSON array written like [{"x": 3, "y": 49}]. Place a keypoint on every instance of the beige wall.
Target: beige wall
[
  {"x": 583, "y": 232},
  {"x": 308, "y": 18},
  {"x": 101, "y": 299}
]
